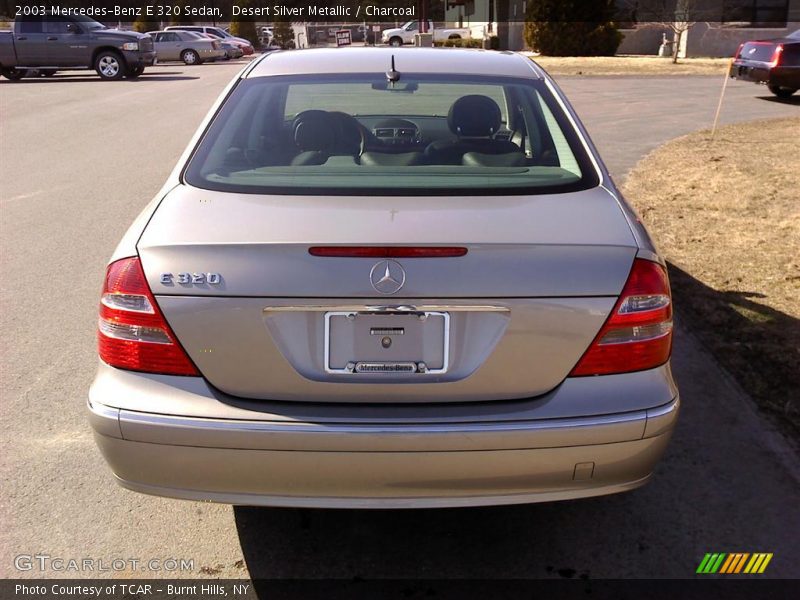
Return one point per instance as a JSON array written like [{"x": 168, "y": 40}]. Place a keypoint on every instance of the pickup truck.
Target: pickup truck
[
  {"x": 405, "y": 34},
  {"x": 48, "y": 43}
]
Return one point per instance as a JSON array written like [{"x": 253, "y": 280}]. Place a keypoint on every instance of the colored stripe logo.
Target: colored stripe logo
[{"x": 734, "y": 563}]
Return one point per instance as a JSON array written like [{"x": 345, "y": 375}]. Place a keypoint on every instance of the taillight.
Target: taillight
[
  {"x": 387, "y": 251},
  {"x": 638, "y": 333},
  {"x": 133, "y": 333},
  {"x": 776, "y": 56}
]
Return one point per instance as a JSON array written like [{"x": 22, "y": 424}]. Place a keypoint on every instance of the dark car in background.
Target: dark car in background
[
  {"x": 50, "y": 42},
  {"x": 773, "y": 62}
]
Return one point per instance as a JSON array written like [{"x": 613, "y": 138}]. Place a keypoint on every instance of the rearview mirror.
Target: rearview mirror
[{"x": 387, "y": 86}]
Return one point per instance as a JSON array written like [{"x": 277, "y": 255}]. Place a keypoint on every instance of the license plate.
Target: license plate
[{"x": 387, "y": 343}]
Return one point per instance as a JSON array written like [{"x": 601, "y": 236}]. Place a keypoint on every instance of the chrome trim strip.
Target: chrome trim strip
[
  {"x": 101, "y": 410},
  {"x": 662, "y": 418},
  {"x": 383, "y": 307},
  {"x": 664, "y": 410},
  {"x": 231, "y": 425},
  {"x": 104, "y": 419}
]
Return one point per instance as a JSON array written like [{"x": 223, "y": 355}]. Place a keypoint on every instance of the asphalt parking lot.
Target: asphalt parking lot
[{"x": 79, "y": 158}]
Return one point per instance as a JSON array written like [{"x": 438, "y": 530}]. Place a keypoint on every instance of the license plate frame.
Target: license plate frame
[{"x": 403, "y": 367}]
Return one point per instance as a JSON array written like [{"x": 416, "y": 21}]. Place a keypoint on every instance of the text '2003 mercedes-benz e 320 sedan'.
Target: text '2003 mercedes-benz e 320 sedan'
[{"x": 386, "y": 280}]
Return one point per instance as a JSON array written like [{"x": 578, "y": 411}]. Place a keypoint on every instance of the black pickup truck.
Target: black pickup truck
[{"x": 48, "y": 43}]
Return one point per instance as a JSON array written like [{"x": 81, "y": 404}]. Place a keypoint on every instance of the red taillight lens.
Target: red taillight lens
[
  {"x": 776, "y": 56},
  {"x": 638, "y": 334},
  {"x": 133, "y": 333}
]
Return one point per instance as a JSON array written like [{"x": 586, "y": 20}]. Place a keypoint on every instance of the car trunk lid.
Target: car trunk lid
[{"x": 263, "y": 318}]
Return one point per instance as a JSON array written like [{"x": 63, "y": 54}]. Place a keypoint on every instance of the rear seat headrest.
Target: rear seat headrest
[
  {"x": 314, "y": 130},
  {"x": 474, "y": 116}
]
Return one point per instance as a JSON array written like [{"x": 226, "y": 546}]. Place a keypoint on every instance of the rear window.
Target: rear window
[
  {"x": 760, "y": 51},
  {"x": 362, "y": 135}
]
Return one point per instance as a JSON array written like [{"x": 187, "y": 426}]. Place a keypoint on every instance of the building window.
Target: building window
[{"x": 756, "y": 13}]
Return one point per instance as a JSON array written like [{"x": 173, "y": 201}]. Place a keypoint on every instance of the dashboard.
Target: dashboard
[{"x": 397, "y": 132}]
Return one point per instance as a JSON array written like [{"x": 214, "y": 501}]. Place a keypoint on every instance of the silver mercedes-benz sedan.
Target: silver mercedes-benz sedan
[{"x": 386, "y": 279}]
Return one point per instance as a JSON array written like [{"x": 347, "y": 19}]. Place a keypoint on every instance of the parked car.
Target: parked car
[
  {"x": 386, "y": 282},
  {"x": 191, "y": 48},
  {"x": 217, "y": 32},
  {"x": 231, "y": 50},
  {"x": 405, "y": 34},
  {"x": 47, "y": 43},
  {"x": 775, "y": 63}
]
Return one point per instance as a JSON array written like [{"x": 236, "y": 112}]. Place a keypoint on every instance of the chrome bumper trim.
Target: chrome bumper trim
[
  {"x": 388, "y": 308},
  {"x": 400, "y": 437}
]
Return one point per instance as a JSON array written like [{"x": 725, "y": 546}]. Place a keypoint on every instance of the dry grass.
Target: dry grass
[
  {"x": 631, "y": 65},
  {"x": 726, "y": 214}
]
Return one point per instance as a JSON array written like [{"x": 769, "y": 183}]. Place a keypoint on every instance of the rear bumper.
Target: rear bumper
[
  {"x": 745, "y": 72},
  {"x": 212, "y": 54},
  {"x": 337, "y": 463},
  {"x": 780, "y": 76}
]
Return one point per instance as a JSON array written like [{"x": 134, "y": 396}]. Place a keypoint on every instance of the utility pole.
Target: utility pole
[{"x": 424, "y": 10}]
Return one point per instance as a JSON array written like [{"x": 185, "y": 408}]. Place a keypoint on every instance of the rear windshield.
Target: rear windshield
[
  {"x": 362, "y": 135},
  {"x": 760, "y": 51}
]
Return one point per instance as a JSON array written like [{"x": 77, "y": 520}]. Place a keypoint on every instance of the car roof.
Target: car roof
[{"x": 412, "y": 60}]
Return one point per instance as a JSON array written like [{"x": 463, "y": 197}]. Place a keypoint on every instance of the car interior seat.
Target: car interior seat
[
  {"x": 473, "y": 119},
  {"x": 314, "y": 133}
]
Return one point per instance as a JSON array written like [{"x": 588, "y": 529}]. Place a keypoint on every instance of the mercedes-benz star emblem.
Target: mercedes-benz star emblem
[{"x": 387, "y": 277}]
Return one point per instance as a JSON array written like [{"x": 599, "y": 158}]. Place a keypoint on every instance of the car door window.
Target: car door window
[
  {"x": 31, "y": 25},
  {"x": 56, "y": 25}
]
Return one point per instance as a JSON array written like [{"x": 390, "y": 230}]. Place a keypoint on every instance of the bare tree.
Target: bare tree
[{"x": 678, "y": 16}]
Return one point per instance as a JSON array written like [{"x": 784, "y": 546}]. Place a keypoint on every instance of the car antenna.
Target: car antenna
[{"x": 393, "y": 75}]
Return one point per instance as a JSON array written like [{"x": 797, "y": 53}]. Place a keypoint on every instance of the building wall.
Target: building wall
[
  {"x": 710, "y": 39},
  {"x": 642, "y": 40},
  {"x": 706, "y": 38}
]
